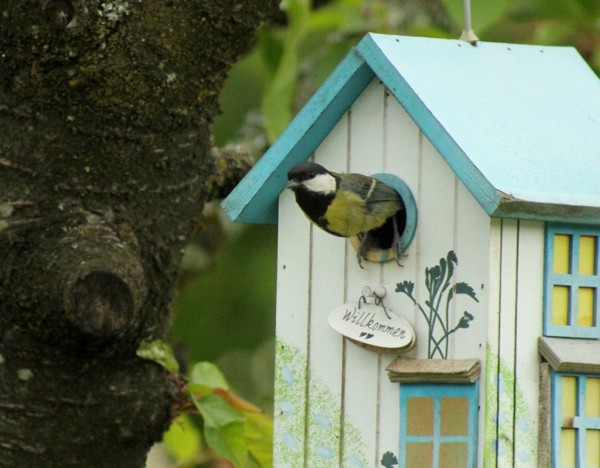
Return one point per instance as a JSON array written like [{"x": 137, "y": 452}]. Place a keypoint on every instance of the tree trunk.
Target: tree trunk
[{"x": 105, "y": 109}]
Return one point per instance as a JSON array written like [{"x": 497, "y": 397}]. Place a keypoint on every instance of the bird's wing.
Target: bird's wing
[
  {"x": 372, "y": 190},
  {"x": 383, "y": 192}
]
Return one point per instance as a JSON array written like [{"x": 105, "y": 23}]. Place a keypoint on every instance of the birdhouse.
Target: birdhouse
[{"x": 483, "y": 347}]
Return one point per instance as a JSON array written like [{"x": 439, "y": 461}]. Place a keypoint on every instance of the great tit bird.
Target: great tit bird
[{"x": 348, "y": 205}]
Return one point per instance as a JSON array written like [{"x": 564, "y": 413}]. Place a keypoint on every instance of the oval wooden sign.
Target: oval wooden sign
[{"x": 369, "y": 325}]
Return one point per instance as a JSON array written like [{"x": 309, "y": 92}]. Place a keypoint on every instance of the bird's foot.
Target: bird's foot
[
  {"x": 360, "y": 253},
  {"x": 399, "y": 253}
]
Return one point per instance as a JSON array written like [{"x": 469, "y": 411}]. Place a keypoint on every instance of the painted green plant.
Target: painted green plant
[
  {"x": 389, "y": 460},
  {"x": 441, "y": 290}
]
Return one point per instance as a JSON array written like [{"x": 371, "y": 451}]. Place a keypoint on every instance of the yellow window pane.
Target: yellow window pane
[
  {"x": 419, "y": 416},
  {"x": 454, "y": 454},
  {"x": 562, "y": 253},
  {"x": 569, "y": 399},
  {"x": 585, "y": 307},
  {"x": 587, "y": 255},
  {"x": 592, "y": 447},
  {"x": 567, "y": 448},
  {"x": 592, "y": 398},
  {"x": 454, "y": 414},
  {"x": 419, "y": 454},
  {"x": 560, "y": 305}
]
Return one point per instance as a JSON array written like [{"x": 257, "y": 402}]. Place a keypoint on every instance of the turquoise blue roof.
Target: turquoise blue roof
[{"x": 518, "y": 124}]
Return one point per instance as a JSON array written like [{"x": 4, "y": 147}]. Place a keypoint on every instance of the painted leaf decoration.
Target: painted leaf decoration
[
  {"x": 464, "y": 320},
  {"x": 440, "y": 289},
  {"x": 464, "y": 288},
  {"x": 405, "y": 287},
  {"x": 452, "y": 260},
  {"x": 388, "y": 460},
  {"x": 443, "y": 265},
  {"x": 435, "y": 272}
]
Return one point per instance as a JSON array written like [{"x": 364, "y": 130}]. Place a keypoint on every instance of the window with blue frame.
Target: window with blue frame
[
  {"x": 438, "y": 425},
  {"x": 572, "y": 281},
  {"x": 571, "y": 313},
  {"x": 575, "y": 420}
]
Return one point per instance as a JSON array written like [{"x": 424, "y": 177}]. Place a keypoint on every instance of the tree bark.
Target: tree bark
[{"x": 105, "y": 113}]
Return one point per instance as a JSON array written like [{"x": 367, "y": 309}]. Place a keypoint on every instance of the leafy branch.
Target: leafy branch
[
  {"x": 231, "y": 428},
  {"x": 438, "y": 282}
]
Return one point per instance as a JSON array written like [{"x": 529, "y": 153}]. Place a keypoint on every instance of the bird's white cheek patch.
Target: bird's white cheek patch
[{"x": 322, "y": 183}]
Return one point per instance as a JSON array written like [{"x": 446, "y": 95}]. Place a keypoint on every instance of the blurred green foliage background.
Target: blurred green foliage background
[{"x": 224, "y": 311}]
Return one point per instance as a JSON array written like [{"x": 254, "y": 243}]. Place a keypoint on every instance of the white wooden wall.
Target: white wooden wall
[
  {"x": 334, "y": 403},
  {"x": 515, "y": 323}
]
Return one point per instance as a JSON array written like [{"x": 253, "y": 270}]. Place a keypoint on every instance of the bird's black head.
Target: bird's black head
[
  {"x": 311, "y": 177},
  {"x": 314, "y": 187},
  {"x": 305, "y": 171}
]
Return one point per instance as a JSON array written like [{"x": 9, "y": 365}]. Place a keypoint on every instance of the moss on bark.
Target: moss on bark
[{"x": 105, "y": 113}]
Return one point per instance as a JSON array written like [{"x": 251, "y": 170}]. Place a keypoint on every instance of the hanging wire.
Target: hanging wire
[
  {"x": 468, "y": 34},
  {"x": 379, "y": 302}
]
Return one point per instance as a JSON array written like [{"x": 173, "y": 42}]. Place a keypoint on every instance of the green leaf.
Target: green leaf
[
  {"x": 339, "y": 16},
  {"x": 229, "y": 441},
  {"x": 206, "y": 376},
  {"x": 271, "y": 49},
  {"x": 159, "y": 352},
  {"x": 259, "y": 438},
  {"x": 484, "y": 13},
  {"x": 279, "y": 96},
  {"x": 223, "y": 428},
  {"x": 183, "y": 440},
  {"x": 216, "y": 412}
]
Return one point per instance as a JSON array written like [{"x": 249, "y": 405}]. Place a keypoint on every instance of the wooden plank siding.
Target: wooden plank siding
[
  {"x": 507, "y": 337},
  {"x": 401, "y": 144},
  {"x": 327, "y": 290},
  {"x": 490, "y": 427},
  {"x": 350, "y": 409},
  {"x": 365, "y": 156},
  {"x": 528, "y": 328},
  {"x": 516, "y": 266},
  {"x": 293, "y": 316}
]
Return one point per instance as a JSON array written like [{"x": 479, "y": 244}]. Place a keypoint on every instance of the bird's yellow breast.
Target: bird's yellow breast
[{"x": 348, "y": 215}]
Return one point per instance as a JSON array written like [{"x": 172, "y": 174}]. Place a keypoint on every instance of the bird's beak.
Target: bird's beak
[{"x": 291, "y": 184}]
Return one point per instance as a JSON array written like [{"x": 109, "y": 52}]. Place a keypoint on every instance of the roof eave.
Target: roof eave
[
  {"x": 510, "y": 207},
  {"x": 254, "y": 199}
]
